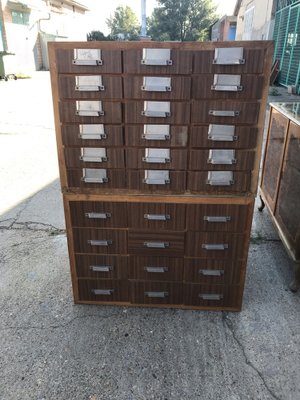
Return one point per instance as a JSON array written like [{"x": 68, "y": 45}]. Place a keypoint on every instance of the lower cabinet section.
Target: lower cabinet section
[
  {"x": 156, "y": 292},
  {"x": 103, "y": 290},
  {"x": 211, "y": 295}
]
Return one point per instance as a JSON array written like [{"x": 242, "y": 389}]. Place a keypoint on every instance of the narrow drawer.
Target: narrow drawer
[
  {"x": 114, "y": 179},
  {"x": 173, "y": 181},
  {"x": 90, "y": 87},
  {"x": 225, "y": 112},
  {"x": 112, "y": 112},
  {"x": 105, "y": 61},
  {"x": 101, "y": 267},
  {"x": 98, "y": 214},
  {"x": 157, "y": 87},
  {"x": 160, "y": 244},
  {"x": 156, "y": 135},
  {"x": 212, "y": 295},
  {"x": 209, "y": 271},
  {"x": 216, "y": 245},
  {"x": 94, "y": 157},
  {"x": 101, "y": 241},
  {"x": 221, "y": 160},
  {"x": 216, "y": 136},
  {"x": 156, "y": 216},
  {"x": 217, "y": 217},
  {"x": 156, "y": 292},
  {"x": 103, "y": 290},
  {"x": 204, "y": 182},
  {"x": 171, "y": 62},
  {"x": 155, "y": 268},
  {"x": 156, "y": 158},
  {"x": 92, "y": 135}
]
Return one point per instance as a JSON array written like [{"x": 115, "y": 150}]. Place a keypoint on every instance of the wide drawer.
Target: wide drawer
[
  {"x": 155, "y": 268},
  {"x": 103, "y": 290},
  {"x": 156, "y": 292},
  {"x": 230, "y": 246},
  {"x": 156, "y": 216},
  {"x": 204, "y": 182},
  {"x": 94, "y": 157},
  {"x": 101, "y": 241},
  {"x": 156, "y": 158},
  {"x": 112, "y": 112},
  {"x": 114, "y": 179},
  {"x": 173, "y": 181},
  {"x": 160, "y": 244},
  {"x": 217, "y": 217},
  {"x": 221, "y": 160},
  {"x": 92, "y": 135},
  {"x": 98, "y": 214},
  {"x": 156, "y": 135},
  {"x": 101, "y": 267}
]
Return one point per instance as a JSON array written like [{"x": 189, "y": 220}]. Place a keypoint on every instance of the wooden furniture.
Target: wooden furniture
[
  {"x": 280, "y": 182},
  {"x": 159, "y": 147}
]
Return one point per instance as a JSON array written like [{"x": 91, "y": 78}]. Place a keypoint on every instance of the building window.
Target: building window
[
  {"x": 248, "y": 22},
  {"x": 20, "y": 17}
]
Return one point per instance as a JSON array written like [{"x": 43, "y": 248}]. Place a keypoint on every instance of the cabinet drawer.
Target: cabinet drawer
[
  {"x": 181, "y": 63},
  {"x": 221, "y": 160},
  {"x": 215, "y": 245},
  {"x": 157, "y": 88},
  {"x": 168, "y": 112},
  {"x": 98, "y": 214},
  {"x": 156, "y": 158},
  {"x": 111, "y": 112},
  {"x": 223, "y": 136},
  {"x": 225, "y": 112},
  {"x": 217, "y": 217},
  {"x": 90, "y": 87},
  {"x": 101, "y": 267},
  {"x": 94, "y": 157},
  {"x": 201, "y": 270},
  {"x": 155, "y": 268},
  {"x": 101, "y": 241},
  {"x": 156, "y": 135},
  {"x": 214, "y": 86},
  {"x": 111, "y": 61},
  {"x": 212, "y": 295},
  {"x": 102, "y": 290},
  {"x": 156, "y": 292},
  {"x": 114, "y": 178},
  {"x": 92, "y": 135},
  {"x": 173, "y": 181},
  {"x": 156, "y": 216},
  {"x": 162, "y": 244},
  {"x": 198, "y": 182}
]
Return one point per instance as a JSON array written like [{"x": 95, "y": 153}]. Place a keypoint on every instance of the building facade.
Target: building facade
[{"x": 224, "y": 29}]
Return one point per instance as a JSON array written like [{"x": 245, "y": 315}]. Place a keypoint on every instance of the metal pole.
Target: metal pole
[{"x": 144, "y": 27}]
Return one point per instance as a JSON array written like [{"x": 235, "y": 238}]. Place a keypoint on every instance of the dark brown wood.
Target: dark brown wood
[
  {"x": 174, "y": 243},
  {"x": 177, "y": 182},
  {"x": 115, "y": 158},
  {"x": 199, "y": 161},
  {"x": 197, "y": 182},
  {"x": 102, "y": 267},
  {"x": 134, "y": 160},
  {"x": 155, "y": 268},
  {"x": 172, "y": 292},
  {"x": 70, "y": 136},
  {"x": 118, "y": 290},
  {"x": 275, "y": 71},
  {"x": 112, "y": 113},
  {"x": 82, "y": 236},
  {"x": 134, "y": 133},
  {"x": 116, "y": 179}
]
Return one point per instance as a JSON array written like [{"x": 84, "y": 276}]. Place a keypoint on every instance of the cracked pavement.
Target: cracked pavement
[{"x": 54, "y": 350}]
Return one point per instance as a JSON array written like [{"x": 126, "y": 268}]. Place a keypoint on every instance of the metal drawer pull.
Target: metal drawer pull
[
  {"x": 224, "y": 113},
  {"x": 157, "y": 245},
  {"x": 159, "y": 114},
  {"x": 93, "y": 175},
  {"x": 154, "y": 177},
  {"x": 103, "y": 292},
  {"x": 156, "y": 84},
  {"x": 221, "y": 157},
  {"x": 86, "y": 108},
  {"x": 209, "y": 218},
  {"x": 156, "y": 269},
  {"x": 92, "y": 131},
  {"x": 156, "y": 57},
  {"x": 93, "y": 215},
  {"x": 217, "y": 246},
  {"x": 157, "y": 156},
  {"x": 157, "y": 294},
  {"x": 227, "y": 83},
  {"x": 229, "y": 56},
  {"x": 101, "y": 268},
  {"x": 91, "y": 83},
  {"x": 211, "y": 272},
  {"x": 209, "y": 296},
  {"x": 154, "y": 160},
  {"x": 156, "y": 136},
  {"x": 157, "y": 217},
  {"x": 93, "y": 154},
  {"x": 222, "y": 133},
  {"x": 100, "y": 242},
  {"x": 156, "y": 109},
  {"x": 156, "y": 132},
  {"x": 87, "y": 57},
  {"x": 220, "y": 178}
]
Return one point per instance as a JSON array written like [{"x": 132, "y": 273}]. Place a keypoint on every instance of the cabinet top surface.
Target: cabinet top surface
[{"x": 289, "y": 110}]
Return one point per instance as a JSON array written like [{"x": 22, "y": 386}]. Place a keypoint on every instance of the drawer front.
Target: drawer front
[
  {"x": 221, "y": 160},
  {"x": 101, "y": 267},
  {"x": 179, "y": 114},
  {"x": 136, "y": 135},
  {"x": 137, "y": 87},
  {"x": 102, "y": 290},
  {"x": 236, "y": 112},
  {"x": 212, "y": 295},
  {"x": 98, "y": 214},
  {"x": 207, "y": 87},
  {"x": 146, "y": 158},
  {"x": 111, "y": 87},
  {"x": 176, "y": 182},
  {"x": 116, "y": 179},
  {"x": 111, "y": 62},
  {"x": 217, "y": 217},
  {"x": 162, "y": 244},
  {"x": 93, "y": 135},
  {"x": 215, "y": 245},
  {"x": 243, "y": 137},
  {"x": 104, "y": 158},
  {"x": 181, "y": 63},
  {"x": 156, "y": 216},
  {"x": 209, "y": 271},
  {"x": 112, "y": 113},
  {"x": 155, "y": 268},
  {"x": 100, "y": 241},
  {"x": 198, "y": 182},
  {"x": 156, "y": 292}
]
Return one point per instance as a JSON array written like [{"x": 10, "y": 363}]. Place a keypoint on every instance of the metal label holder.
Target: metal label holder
[
  {"x": 92, "y": 132},
  {"x": 229, "y": 56},
  {"x": 156, "y": 57},
  {"x": 93, "y": 175},
  {"x": 86, "y": 108},
  {"x": 91, "y": 83},
  {"x": 87, "y": 57}
]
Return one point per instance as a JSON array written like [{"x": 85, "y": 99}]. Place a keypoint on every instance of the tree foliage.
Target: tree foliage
[
  {"x": 183, "y": 20},
  {"x": 98, "y": 35},
  {"x": 124, "y": 24}
]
